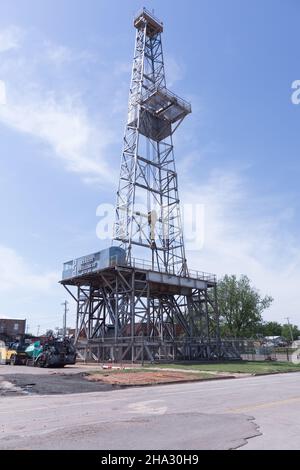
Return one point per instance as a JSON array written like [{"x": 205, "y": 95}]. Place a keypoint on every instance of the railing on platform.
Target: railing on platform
[
  {"x": 167, "y": 94},
  {"x": 147, "y": 266},
  {"x": 148, "y": 13}
]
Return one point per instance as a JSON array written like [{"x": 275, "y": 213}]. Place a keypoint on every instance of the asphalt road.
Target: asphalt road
[
  {"x": 21, "y": 380},
  {"x": 255, "y": 413}
]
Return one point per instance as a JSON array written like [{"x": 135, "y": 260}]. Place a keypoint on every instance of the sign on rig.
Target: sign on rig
[{"x": 94, "y": 262}]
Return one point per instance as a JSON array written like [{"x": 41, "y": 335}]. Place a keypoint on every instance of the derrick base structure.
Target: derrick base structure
[{"x": 131, "y": 313}]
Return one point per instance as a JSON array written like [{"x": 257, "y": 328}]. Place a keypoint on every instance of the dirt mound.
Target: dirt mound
[{"x": 143, "y": 377}]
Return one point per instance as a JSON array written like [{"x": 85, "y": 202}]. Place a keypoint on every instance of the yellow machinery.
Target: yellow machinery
[
  {"x": 16, "y": 354},
  {"x": 13, "y": 354},
  {"x": 3, "y": 352}
]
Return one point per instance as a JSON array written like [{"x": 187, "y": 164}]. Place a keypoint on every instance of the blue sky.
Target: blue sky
[{"x": 66, "y": 68}]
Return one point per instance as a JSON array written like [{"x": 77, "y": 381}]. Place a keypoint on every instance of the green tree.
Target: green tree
[
  {"x": 240, "y": 306},
  {"x": 270, "y": 328},
  {"x": 289, "y": 331}
]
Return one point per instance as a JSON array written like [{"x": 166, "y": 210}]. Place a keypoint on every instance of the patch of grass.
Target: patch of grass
[{"x": 248, "y": 367}]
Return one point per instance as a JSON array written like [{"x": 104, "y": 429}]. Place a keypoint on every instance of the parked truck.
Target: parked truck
[
  {"x": 54, "y": 352},
  {"x": 13, "y": 353}
]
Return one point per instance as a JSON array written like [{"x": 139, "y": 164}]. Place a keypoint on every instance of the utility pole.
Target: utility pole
[
  {"x": 38, "y": 330},
  {"x": 290, "y": 327},
  {"x": 65, "y": 304}
]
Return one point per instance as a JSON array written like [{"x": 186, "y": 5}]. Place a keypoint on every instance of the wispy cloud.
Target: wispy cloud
[
  {"x": 10, "y": 38},
  {"x": 61, "y": 55},
  {"x": 17, "y": 275},
  {"x": 2, "y": 93},
  {"x": 29, "y": 291},
  {"x": 122, "y": 68},
  {"x": 57, "y": 117},
  {"x": 241, "y": 240},
  {"x": 175, "y": 70},
  {"x": 64, "y": 126}
]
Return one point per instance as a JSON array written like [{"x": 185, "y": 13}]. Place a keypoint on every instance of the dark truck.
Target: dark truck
[{"x": 54, "y": 352}]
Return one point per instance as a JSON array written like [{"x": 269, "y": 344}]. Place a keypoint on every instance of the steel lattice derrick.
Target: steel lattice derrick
[
  {"x": 148, "y": 172},
  {"x": 155, "y": 309}
]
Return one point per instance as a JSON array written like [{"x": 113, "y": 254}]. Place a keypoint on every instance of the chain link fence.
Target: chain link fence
[{"x": 255, "y": 350}]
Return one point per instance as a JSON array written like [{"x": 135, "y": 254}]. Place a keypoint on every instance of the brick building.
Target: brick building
[{"x": 12, "y": 327}]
